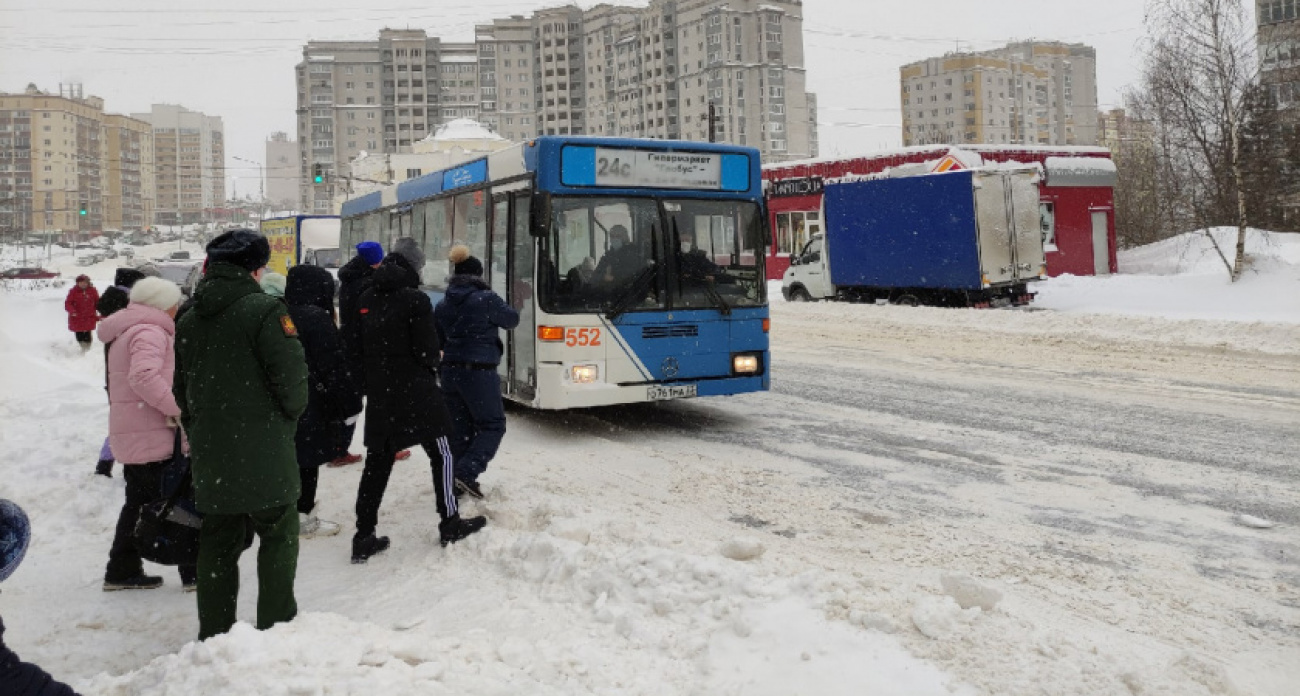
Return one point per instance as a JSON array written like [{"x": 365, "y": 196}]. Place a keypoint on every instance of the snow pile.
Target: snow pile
[{"x": 1184, "y": 278}]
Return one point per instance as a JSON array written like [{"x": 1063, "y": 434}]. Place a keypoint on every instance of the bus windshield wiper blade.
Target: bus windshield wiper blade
[
  {"x": 715, "y": 296},
  {"x": 640, "y": 285}
]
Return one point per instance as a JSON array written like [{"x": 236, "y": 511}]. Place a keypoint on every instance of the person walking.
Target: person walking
[
  {"x": 273, "y": 284},
  {"x": 470, "y": 318},
  {"x": 355, "y": 278},
  {"x": 18, "y": 678},
  {"x": 404, "y": 407},
  {"x": 115, "y": 298},
  {"x": 142, "y": 418},
  {"x": 80, "y": 306},
  {"x": 332, "y": 396},
  {"x": 241, "y": 384}
]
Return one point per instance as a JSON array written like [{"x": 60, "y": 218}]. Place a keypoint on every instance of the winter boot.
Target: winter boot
[
  {"x": 454, "y": 528},
  {"x": 469, "y": 487},
  {"x": 365, "y": 547},
  {"x": 139, "y": 582},
  {"x": 104, "y": 468},
  {"x": 312, "y": 526}
]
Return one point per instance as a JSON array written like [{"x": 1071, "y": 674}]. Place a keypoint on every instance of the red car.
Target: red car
[{"x": 27, "y": 274}]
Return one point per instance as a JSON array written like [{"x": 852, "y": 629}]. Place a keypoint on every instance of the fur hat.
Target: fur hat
[
  {"x": 372, "y": 252},
  {"x": 126, "y": 277},
  {"x": 15, "y": 535},
  {"x": 409, "y": 249},
  {"x": 244, "y": 248},
  {"x": 149, "y": 270},
  {"x": 273, "y": 284},
  {"x": 464, "y": 262},
  {"x": 82, "y": 277},
  {"x": 158, "y": 293}
]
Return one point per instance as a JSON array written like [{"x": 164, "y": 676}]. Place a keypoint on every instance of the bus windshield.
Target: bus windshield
[
  {"x": 626, "y": 254},
  {"x": 604, "y": 251}
]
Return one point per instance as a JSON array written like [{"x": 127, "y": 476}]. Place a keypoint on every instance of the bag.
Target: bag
[{"x": 167, "y": 532}]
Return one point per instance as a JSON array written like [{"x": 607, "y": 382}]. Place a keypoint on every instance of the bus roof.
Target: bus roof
[{"x": 572, "y": 163}]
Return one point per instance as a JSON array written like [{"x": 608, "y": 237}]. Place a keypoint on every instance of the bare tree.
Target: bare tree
[{"x": 1197, "y": 73}]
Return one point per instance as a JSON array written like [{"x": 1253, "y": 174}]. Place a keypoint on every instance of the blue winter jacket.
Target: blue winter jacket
[{"x": 468, "y": 319}]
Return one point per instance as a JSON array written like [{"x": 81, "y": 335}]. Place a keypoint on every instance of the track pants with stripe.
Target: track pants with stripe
[{"x": 374, "y": 481}]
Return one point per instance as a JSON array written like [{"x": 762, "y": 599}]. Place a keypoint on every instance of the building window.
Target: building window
[{"x": 413, "y": 173}]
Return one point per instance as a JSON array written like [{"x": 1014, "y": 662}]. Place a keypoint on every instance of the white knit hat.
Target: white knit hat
[{"x": 156, "y": 292}]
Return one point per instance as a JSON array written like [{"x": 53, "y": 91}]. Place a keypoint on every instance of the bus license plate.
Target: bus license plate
[{"x": 683, "y": 391}]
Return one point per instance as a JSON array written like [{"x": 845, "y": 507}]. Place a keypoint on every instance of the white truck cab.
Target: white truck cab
[{"x": 809, "y": 277}]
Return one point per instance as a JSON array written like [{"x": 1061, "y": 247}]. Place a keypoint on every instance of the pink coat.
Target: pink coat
[{"x": 141, "y": 363}]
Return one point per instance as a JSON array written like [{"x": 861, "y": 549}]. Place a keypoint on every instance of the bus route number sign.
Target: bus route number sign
[
  {"x": 639, "y": 168},
  {"x": 582, "y": 337}
]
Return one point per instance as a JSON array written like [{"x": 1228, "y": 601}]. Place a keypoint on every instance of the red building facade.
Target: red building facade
[{"x": 1076, "y": 197}]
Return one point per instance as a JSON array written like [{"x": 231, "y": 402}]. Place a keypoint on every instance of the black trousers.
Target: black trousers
[
  {"x": 143, "y": 486},
  {"x": 374, "y": 481},
  {"x": 310, "y": 479},
  {"x": 82, "y": 336}
]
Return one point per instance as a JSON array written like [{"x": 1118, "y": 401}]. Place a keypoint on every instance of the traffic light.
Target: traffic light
[
  {"x": 318, "y": 173},
  {"x": 81, "y": 212}
]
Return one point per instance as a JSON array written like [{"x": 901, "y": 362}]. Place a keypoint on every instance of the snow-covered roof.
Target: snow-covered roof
[
  {"x": 463, "y": 129},
  {"x": 1081, "y": 171}
]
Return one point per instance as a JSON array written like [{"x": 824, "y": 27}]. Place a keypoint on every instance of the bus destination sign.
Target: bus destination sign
[{"x": 638, "y": 168}]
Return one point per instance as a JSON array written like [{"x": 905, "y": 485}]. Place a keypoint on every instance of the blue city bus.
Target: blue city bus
[{"x": 637, "y": 266}]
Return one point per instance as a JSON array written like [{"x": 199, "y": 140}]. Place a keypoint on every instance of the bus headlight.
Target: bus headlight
[
  {"x": 584, "y": 374},
  {"x": 746, "y": 364}
]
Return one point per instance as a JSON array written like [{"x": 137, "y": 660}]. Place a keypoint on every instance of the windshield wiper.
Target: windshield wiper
[
  {"x": 640, "y": 285},
  {"x": 712, "y": 292}
]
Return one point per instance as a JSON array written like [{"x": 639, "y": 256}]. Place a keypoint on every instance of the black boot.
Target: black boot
[
  {"x": 365, "y": 547},
  {"x": 139, "y": 582},
  {"x": 454, "y": 528},
  {"x": 104, "y": 468}
]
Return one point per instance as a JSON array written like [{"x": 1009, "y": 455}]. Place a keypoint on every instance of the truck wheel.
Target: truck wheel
[
  {"x": 800, "y": 295},
  {"x": 907, "y": 301}
]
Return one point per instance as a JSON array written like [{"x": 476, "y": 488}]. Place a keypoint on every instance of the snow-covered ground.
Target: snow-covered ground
[{"x": 928, "y": 502}]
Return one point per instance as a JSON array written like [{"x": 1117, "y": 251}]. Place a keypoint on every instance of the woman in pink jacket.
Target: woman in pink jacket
[{"x": 142, "y": 417}]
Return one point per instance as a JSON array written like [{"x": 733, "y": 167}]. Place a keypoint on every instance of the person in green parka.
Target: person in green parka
[{"x": 241, "y": 383}]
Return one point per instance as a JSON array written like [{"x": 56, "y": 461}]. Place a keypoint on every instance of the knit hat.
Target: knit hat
[
  {"x": 15, "y": 535},
  {"x": 273, "y": 284},
  {"x": 409, "y": 249},
  {"x": 465, "y": 263},
  {"x": 372, "y": 252},
  {"x": 82, "y": 277},
  {"x": 310, "y": 285},
  {"x": 158, "y": 293},
  {"x": 126, "y": 277},
  {"x": 244, "y": 248}
]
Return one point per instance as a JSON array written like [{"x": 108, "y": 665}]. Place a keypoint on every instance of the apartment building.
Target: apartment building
[
  {"x": 190, "y": 161},
  {"x": 1279, "y": 51},
  {"x": 129, "y": 184},
  {"x": 281, "y": 171},
  {"x": 1028, "y": 93},
  {"x": 611, "y": 70},
  {"x": 66, "y": 167}
]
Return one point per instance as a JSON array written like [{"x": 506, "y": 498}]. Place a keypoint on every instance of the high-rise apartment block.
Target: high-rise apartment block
[
  {"x": 281, "y": 170},
  {"x": 1279, "y": 50},
  {"x": 642, "y": 72},
  {"x": 66, "y": 167},
  {"x": 190, "y": 158},
  {"x": 1029, "y": 93}
]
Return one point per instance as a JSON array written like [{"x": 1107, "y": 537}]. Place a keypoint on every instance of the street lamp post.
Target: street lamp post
[{"x": 261, "y": 183}]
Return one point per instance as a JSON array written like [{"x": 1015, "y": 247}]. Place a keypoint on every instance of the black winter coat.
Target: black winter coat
[
  {"x": 18, "y": 678},
  {"x": 399, "y": 346},
  {"x": 469, "y": 319},
  {"x": 355, "y": 278},
  {"x": 332, "y": 395}
]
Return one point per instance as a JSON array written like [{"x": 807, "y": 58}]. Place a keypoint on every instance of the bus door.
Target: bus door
[{"x": 511, "y": 271}]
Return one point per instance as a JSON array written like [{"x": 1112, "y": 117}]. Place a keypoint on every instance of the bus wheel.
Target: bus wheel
[{"x": 907, "y": 301}]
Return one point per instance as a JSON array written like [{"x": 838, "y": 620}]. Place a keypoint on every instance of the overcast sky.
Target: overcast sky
[{"x": 235, "y": 58}]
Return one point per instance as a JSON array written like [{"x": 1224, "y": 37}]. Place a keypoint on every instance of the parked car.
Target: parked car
[
  {"x": 27, "y": 274},
  {"x": 179, "y": 256},
  {"x": 186, "y": 274}
]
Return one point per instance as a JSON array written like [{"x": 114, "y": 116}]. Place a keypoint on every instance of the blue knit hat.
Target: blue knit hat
[
  {"x": 15, "y": 534},
  {"x": 372, "y": 252}
]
